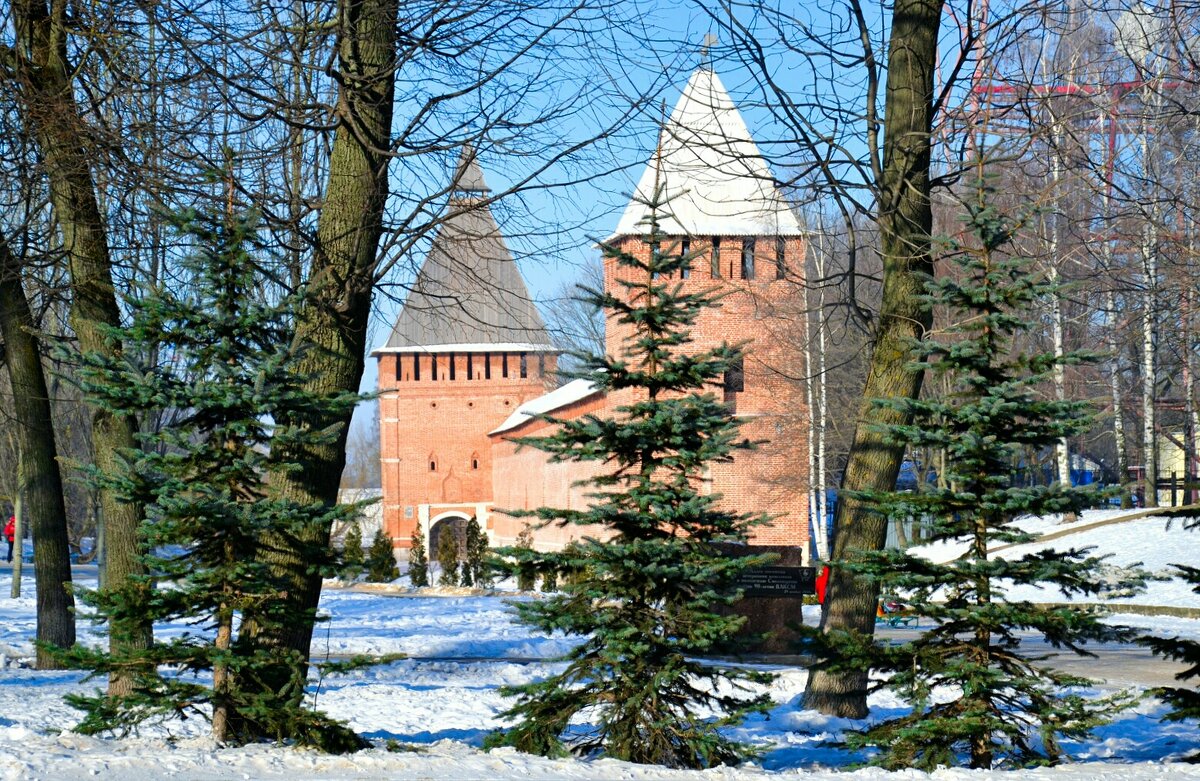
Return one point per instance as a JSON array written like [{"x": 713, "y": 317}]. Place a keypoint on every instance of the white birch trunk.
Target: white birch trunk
[
  {"x": 815, "y": 521},
  {"x": 1149, "y": 363},
  {"x": 1062, "y": 453},
  {"x": 823, "y": 419},
  {"x": 816, "y": 406}
]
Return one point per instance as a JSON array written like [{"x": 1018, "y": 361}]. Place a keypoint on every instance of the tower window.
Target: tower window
[
  {"x": 487, "y": 366},
  {"x": 504, "y": 364},
  {"x": 399, "y": 368},
  {"x": 780, "y": 258},
  {"x": 524, "y": 365},
  {"x": 432, "y": 464},
  {"x": 470, "y": 366},
  {"x": 747, "y": 258},
  {"x": 735, "y": 376},
  {"x": 416, "y": 366},
  {"x": 716, "y": 257},
  {"x": 433, "y": 366},
  {"x": 685, "y": 249},
  {"x": 541, "y": 364},
  {"x": 452, "y": 365}
]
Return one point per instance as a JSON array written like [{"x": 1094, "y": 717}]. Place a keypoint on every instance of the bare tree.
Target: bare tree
[
  {"x": 39, "y": 484},
  {"x": 575, "y": 325}
]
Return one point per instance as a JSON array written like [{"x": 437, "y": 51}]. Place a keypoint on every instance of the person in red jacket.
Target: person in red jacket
[
  {"x": 822, "y": 584},
  {"x": 10, "y": 532}
]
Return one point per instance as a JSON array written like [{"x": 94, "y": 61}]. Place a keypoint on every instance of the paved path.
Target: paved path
[{"x": 1115, "y": 664}]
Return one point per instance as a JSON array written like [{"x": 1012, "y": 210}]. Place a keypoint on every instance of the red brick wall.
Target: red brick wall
[
  {"x": 774, "y": 478},
  {"x": 523, "y": 479},
  {"x": 434, "y": 432}
]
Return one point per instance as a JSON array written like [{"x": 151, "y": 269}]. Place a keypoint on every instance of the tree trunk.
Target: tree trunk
[
  {"x": 39, "y": 484},
  {"x": 1149, "y": 368},
  {"x": 18, "y": 531},
  {"x": 905, "y": 221},
  {"x": 332, "y": 326},
  {"x": 43, "y": 75}
]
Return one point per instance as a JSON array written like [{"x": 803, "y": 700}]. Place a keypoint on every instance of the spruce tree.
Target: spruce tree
[
  {"x": 381, "y": 559},
  {"x": 466, "y": 576},
  {"x": 418, "y": 560},
  {"x": 226, "y": 384},
  {"x": 976, "y": 695},
  {"x": 352, "y": 552},
  {"x": 523, "y": 553},
  {"x": 447, "y": 555},
  {"x": 477, "y": 554},
  {"x": 650, "y": 597}
]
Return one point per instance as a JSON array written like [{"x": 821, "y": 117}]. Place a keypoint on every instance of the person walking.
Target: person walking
[{"x": 10, "y": 532}]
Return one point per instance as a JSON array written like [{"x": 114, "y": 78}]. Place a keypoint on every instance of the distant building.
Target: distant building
[{"x": 469, "y": 364}]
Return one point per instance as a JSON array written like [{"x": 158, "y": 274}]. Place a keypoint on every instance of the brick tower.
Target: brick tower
[
  {"x": 467, "y": 349},
  {"x": 722, "y": 203}
]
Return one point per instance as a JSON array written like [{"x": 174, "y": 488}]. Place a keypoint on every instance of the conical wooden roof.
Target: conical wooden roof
[{"x": 469, "y": 294}]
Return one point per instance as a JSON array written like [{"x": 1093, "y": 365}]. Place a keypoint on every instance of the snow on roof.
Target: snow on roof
[
  {"x": 573, "y": 391},
  {"x": 716, "y": 180}
]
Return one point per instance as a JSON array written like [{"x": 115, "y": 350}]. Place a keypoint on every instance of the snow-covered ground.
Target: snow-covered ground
[{"x": 439, "y": 703}]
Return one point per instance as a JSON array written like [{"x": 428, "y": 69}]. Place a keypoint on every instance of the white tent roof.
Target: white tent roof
[{"x": 716, "y": 180}]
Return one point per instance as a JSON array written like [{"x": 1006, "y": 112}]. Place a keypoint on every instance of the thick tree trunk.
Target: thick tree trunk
[
  {"x": 905, "y": 222},
  {"x": 332, "y": 327},
  {"x": 51, "y": 113},
  {"x": 40, "y": 482}
]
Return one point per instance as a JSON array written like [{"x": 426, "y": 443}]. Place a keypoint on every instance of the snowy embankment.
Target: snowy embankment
[
  {"x": 1152, "y": 543},
  {"x": 445, "y": 699}
]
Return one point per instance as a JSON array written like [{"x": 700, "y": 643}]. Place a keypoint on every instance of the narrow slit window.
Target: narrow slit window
[
  {"x": 453, "y": 361},
  {"x": 504, "y": 365},
  {"x": 416, "y": 366},
  {"x": 487, "y": 366},
  {"x": 541, "y": 364},
  {"x": 470, "y": 366},
  {"x": 747, "y": 258},
  {"x": 780, "y": 258},
  {"x": 399, "y": 368},
  {"x": 524, "y": 365},
  {"x": 735, "y": 376},
  {"x": 716, "y": 258},
  {"x": 685, "y": 249}
]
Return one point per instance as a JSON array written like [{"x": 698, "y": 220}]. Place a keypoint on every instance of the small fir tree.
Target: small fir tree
[
  {"x": 649, "y": 599},
  {"x": 226, "y": 384},
  {"x": 1184, "y": 702},
  {"x": 381, "y": 559},
  {"x": 418, "y": 560},
  {"x": 352, "y": 552},
  {"x": 477, "y": 554},
  {"x": 466, "y": 576},
  {"x": 550, "y": 580},
  {"x": 523, "y": 553},
  {"x": 447, "y": 554},
  {"x": 974, "y": 693}
]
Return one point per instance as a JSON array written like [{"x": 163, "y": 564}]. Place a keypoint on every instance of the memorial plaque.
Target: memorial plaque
[{"x": 778, "y": 581}]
